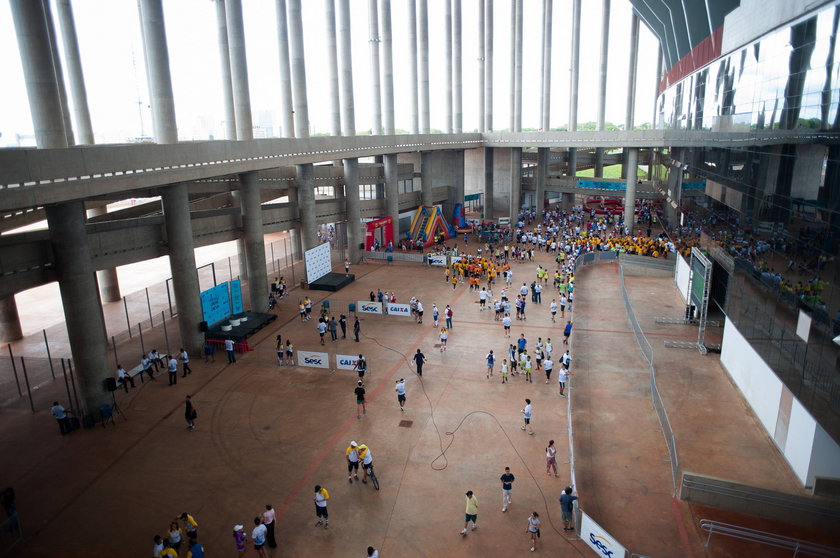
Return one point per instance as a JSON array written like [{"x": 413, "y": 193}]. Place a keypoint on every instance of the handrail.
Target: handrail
[{"x": 798, "y": 546}]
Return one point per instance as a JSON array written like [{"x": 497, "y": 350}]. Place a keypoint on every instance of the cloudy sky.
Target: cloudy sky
[{"x": 112, "y": 55}]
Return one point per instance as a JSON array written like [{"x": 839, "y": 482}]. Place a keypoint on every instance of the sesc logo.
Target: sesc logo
[
  {"x": 313, "y": 361},
  {"x": 368, "y": 308},
  {"x": 597, "y": 543}
]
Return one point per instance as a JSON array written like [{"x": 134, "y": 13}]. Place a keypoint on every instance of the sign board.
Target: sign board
[
  {"x": 346, "y": 362},
  {"x": 367, "y": 307},
  {"x": 396, "y": 309},
  {"x": 437, "y": 260},
  {"x": 504, "y": 220},
  {"x": 215, "y": 303},
  {"x": 236, "y": 297},
  {"x": 313, "y": 359},
  {"x": 803, "y": 326},
  {"x": 598, "y": 539},
  {"x": 454, "y": 259},
  {"x": 317, "y": 262}
]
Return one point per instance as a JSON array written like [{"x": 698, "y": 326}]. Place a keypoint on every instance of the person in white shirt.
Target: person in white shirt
[
  {"x": 229, "y": 351},
  {"x": 173, "y": 370},
  {"x": 506, "y": 324},
  {"x": 185, "y": 361},
  {"x": 548, "y": 366},
  {"x": 372, "y": 552},
  {"x": 526, "y": 414},
  {"x": 553, "y": 309},
  {"x": 258, "y": 536},
  {"x": 400, "y": 389},
  {"x": 60, "y": 415},
  {"x": 482, "y": 299},
  {"x": 562, "y": 374},
  {"x": 124, "y": 378},
  {"x": 419, "y": 312}
]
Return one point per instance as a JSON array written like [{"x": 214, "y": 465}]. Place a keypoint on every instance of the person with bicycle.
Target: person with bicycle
[
  {"x": 366, "y": 457},
  {"x": 352, "y": 455}
]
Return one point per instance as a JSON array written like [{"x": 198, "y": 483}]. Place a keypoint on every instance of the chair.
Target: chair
[{"x": 106, "y": 412}]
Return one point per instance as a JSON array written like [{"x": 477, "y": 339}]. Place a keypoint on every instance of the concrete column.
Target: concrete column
[
  {"x": 448, "y": 55},
  {"x": 517, "y": 93},
  {"x": 423, "y": 38},
  {"x": 387, "y": 68},
  {"x": 224, "y": 60},
  {"x": 457, "y": 101},
  {"x": 287, "y": 115},
  {"x": 392, "y": 194},
  {"x": 515, "y": 182},
  {"x": 239, "y": 70},
  {"x": 80, "y": 299},
  {"x": 252, "y": 225},
  {"x": 489, "y": 209},
  {"x": 412, "y": 65},
  {"x": 572, "y": 164},
  {"x": 348, "y": 118},
  {"x": 599, "y": 162},
  {"x": 109, "y": 284},
  {"x": 157, "y": 71},
  {"x": 512, "y": 69},
  {"x": 573, "y": 67},
  {"x": 354, "y": 217},
  {"x": 630, "y": 195},
  {"x": 296, "y": 55},
  {"x": 541, "y": 175},
  {"x": 545, "y": 97},
  {"x": 375, "y": 80},
  {"x": 656, "y": 90},
  {"x": 179, "y": 238},
  {"x": 488, "y": 65},
  {"x": 10, "y": 329},
  {"x": 305, "y": 179},
  {"x": 426, "y": 195},
  {"x": 78, "y": 92},
  {"x": 631, "y": 72},
  {"x": 602, "y": 73},
  {"x": 481, "y": 67},
  {"x": 332, "y": 65},
  {"x": 459, "y": 176},
  {"x": 59, "y": 73}
]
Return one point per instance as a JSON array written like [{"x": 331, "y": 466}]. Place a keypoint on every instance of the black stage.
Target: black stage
[
  {"x": 332, "y": 282},
  {"x": 244, "y": 330}
]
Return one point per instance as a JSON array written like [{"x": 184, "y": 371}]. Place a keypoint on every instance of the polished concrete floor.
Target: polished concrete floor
[{"x": 267, "y": 434}]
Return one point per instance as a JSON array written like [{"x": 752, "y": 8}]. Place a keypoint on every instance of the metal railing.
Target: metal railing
[
  {"x": 395, "y": 256},
  {"x": 797, "y": 546}
]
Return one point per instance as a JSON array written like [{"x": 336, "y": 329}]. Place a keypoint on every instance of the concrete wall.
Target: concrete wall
[
  {"x": 807, "y": 171},
  {"x": 806, "y": 446}
]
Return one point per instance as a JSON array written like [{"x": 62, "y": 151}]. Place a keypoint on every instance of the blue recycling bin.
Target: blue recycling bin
[{"x": 352, "y": 308}]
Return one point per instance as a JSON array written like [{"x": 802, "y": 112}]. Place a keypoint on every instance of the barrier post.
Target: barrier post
[
  {"x": 165, "y": 332},
  {"x": 140, "y": 331},
  {"x": 127, "y": 321},
  {"x": 14, "y": 369},
  {"x": 149, "y": 306},
  {"x": 73, "y": 383},
  {"x": 28, "y": 387},
  {"x": 114, "y": 346},
  {"x": 47, "y": 345},
  {"x": 66, "y": 383}
]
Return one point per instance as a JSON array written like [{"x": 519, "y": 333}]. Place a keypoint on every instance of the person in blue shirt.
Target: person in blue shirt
[
  {"x": 491, "y": 360},
  {"x": 567, "y": 331},
  {"x": 258, "y": 536},
  {"x": 521, "y": 343}
]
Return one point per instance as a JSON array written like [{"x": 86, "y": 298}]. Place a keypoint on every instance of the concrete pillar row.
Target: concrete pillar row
[
  {"x": 545, "y": 95},
  {"x": 298, "y": 63},
  {"x": 239, "y": 70},
  {"x": 488, "y": 65},
  {"x": 252, "y": 225},
  {"x": 224, "y": 62},
  {"x": 352, "y": 209},
  {"x": 179, "y": 238},
  {"x": 287, "y": 115},
  {"x": 574, "y": 66},
  {"x": 515, "y": 182},
  {"x": 489, "y": 208},
  {"x": 305, "y": 182},
  {"x": 457, "y": 101},
  {"x": 599, "y": 162},
  {"x": 157, "y": 71},
  {"x": 481, "y": 67},
  {"x": 423, "y": 40},
  {"x": 448, "y": 58},
  {"x": 602, "y": 70},
  {"x": 78, "y": 91},
  {"x": 412, "y": 66},
  {"x": 59, "y": 74},
  {"x": 426, "y": 195},
  {"x": 542, "y": 174},
  {"x": 109, "y": 284},
  {"x": 332, "y": 68},
  {"x": 392, "y": 194},
  {"x": 375, "y": 77},
  {"x": 632, "y": 163},
  {"x": 387, "y": 68}
]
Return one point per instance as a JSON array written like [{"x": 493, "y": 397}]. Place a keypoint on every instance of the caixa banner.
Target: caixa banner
[
  {"x": 369, "y": 307},
  {"x": 346, "y": 362},
  {"x": 313, "y": 359},
  {"x": 598, "y": 539},
  {"x": 396, "y": 309}
]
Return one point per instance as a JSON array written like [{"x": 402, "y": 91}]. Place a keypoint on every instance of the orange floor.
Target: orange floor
[{"x": 268, "y": 434}]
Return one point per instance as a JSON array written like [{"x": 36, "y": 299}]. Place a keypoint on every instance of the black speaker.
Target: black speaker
[
  {"x": 202, "y": 327},
  {"x": 111, "y": 384},
  {"x": 361, "y": 245}
]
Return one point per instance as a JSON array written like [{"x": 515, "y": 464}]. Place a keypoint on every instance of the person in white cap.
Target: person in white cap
[
  {"x": 352, "y": 454},
  {"x": 239, "y": 537}
]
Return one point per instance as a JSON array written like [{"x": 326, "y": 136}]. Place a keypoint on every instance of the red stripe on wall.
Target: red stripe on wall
[{"x": 707, "y": 51}]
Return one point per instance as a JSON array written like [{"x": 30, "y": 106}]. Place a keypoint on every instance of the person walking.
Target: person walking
[
  {"x": 342, "y": 322},
  {"x": 360, "y": 399},
  {"x": 448, "y": 314},
  {"x": 209, "y": 351},
  {"x": 528, "y": 368},
  {"x": 491, "y": 360},
  {"x": 229, "y": 351},
  {"x": 400, "y": 389},
  {"x": 190, "y": 413},
  {"x": 553, "y": 309},
  {"x": 268, "y": 518},
  {"x": 548, "y": 366},
  {"x": 279, "y": 348},
  {"x": 290, "y": 354},
  {"x": 507, "y": 479},
  {"x": 185, "y": 362},
  {"x": 322, "y": 329},
  {"x": 551, "y": 458},
  {"x": 357, "y": 329},
  {"x": 346, "y": 266},
  {"x": 534, "y": 529},
  {"x": 258, "y": 536},
  {"x": 504, "y": 371},
  {"x": 506, "y": 324},
  {"x": 526, "y": 414},
  {"x": 60, "y": 415},
  {"x": 352, "y": 456},
  {"x": 567, "y": 508},
  {"x": 172, "y": 365},
  {"x": 435, "y": 314},
  {"x": 471, "y": 513},
  {"x": 320, "y": 499},
  {"x": 361, "y": 367},
  {"x": 333, "y": 327},
  {"x": 562, "y": 376},
  {"x": 567, "y": 331},
  {"x": 419, "y": 360},
  {"x": 419, "y": 312}
]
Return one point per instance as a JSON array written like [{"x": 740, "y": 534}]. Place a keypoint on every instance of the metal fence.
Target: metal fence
[{"x": 395, "y": 256}]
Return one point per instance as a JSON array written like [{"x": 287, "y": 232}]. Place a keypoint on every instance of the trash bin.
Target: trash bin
[
  {"x": 352, "y": 308},
  {"x": 107, "y": 413},
  {"x": 390, "y": 259},
  {"x": 303, "y": 283},
  {"x": 326, "y": 304}
]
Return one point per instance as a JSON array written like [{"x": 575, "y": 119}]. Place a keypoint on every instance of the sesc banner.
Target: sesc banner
[
  {"x": 598, "y": 539},
  {"x": 396, "y": 309},
  {"x": 313, "y": 359},
  {"x": 368, "y": 307},
  {"x": 437, "y": 260},
  {"x": 346, "y": 362}
]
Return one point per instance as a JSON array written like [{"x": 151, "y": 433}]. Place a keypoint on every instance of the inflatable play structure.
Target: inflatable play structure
[
  {"x": 428, "y": 222},
  {"x": 459, "y": 221}
]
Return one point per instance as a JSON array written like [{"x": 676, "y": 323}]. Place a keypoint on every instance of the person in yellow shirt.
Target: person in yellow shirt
[
  {"x": 471, "y": 514},
  {"x": 320, "y": 499}
]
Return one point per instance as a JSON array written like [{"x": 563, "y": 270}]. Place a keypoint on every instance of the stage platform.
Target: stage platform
[
  {"x": 255, "y": 322},
  {"x": 332, "y": 282}
]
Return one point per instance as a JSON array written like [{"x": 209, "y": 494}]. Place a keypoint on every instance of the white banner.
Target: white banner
[
  {"x": 455, "y": 259},
  {"x": 346, "y": 362},
  {"x": 437, "y": 260},
  {"x": 395, "y": 309},
  {"x": 313, "y": 359},
  {"x": 367, "y": 307},
  {"x": 317, "y": 262},
  {"x": 598, "y": 539}
]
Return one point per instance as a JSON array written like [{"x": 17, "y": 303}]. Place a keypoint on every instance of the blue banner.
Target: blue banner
[
  {"x": 601, "y": 185},
  {"x": 701, "y": 185},
  {"x": 215, "y": 303},
  {"x": 236, "y": 297}
]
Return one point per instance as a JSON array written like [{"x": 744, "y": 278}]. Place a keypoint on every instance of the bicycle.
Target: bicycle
[{"x": 372, "y": 476}]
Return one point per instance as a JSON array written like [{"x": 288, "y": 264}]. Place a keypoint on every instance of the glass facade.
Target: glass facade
[{"x": 788, "y": 79}]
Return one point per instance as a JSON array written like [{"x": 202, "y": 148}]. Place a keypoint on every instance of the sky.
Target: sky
[{"x": 113, "y": 65}]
